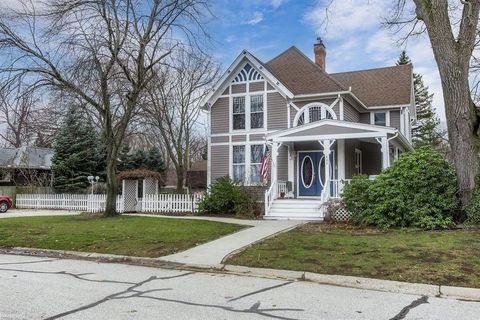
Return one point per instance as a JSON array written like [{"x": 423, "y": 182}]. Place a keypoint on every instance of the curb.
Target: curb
[{"x": 431, "y": 290}]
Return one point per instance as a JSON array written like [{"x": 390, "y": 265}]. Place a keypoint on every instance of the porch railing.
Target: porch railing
[
  {"x": 282, "y": 188},
  {"x": 270, "y": 195}
]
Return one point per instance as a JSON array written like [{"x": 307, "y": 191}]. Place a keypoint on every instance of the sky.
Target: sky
[{"x": 351, "y": 30}]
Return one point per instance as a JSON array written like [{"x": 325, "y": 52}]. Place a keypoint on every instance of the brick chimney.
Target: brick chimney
[{"x": 320, "y": 53}]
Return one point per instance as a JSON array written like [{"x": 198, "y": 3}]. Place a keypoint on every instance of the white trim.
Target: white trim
[
  {"x": 393, "y": 106},
  {"x": 338, "y": 123},
  {"x": 341, "y": 108},
  {"x": 209, "y": 150},
  {"x": 329, "y": 137},
  {"x": 387, "y": 117},
  {"x": 358, "y": 165},
  {"x": 234, "y": 69},
  {"x": 341, "y": 159},
  {"x": 304, "y": 110}
]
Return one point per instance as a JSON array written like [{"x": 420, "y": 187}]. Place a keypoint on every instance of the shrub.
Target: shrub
[
  {"x": 418, "y": 190},
  {"x": 228, "y": 197},
  {"x": 473, "y": 208}
]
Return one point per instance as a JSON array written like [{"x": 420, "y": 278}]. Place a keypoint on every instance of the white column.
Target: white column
[
  {"x": 341, "y": 162},
  {"x": 291, "y": 163},
  {"x": 341, "y": 115},
  {"x": 327, "y": 145},
  {"x": 273, "y": 170},
  {"x": 385, "y": 152}
]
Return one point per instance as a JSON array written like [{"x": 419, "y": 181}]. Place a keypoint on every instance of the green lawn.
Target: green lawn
[
  {"x": 125, "y": 235},
  {"x": 438, "y": 257}
]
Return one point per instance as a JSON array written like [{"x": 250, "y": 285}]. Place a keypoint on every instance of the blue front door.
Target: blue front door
[{"x": 310, "y": 173}]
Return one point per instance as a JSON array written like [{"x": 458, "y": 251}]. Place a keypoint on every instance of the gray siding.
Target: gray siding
[
  {"x": 282, "y": 168},
  {"x": 239, "y": 88},
  {"x": 277, "y": 111},
  {"x": 257, "y": 137},
  {"x": 227, "y": 91},
  {"x": 241, "y": 138},
  {"x": 365, "y": 118},
  {"x": 270, "y": 87},
  {"x": 219, "y": 161},
  {"x": 220, "y": 116},
  {"x": 256, "y": 86},
  {"x": 219, "y": 139},
  {"x": 350, "y": 113},
  {"x": 395, "y": 119}
]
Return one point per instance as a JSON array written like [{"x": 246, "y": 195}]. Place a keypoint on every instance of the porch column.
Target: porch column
[
  {"x": 385, "y": 152},
  {"x": 273, "y": 170},
  {"x": 341, "y": 163},
  {"x": 327, "y": 145},
  {"x": 291, "y": 163}
]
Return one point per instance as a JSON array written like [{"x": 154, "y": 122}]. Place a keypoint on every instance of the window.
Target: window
[
  {"x": 239, "y": 163},
  {"x": 238, "y": 113},
  {"x": 380, "y": 118},
  {"x": 256, "y": 112},
  {"x": 256, "y": 155},
  {"x": 358, "y": 161}
]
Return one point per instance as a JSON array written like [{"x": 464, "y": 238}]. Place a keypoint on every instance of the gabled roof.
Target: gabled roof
[
  {"x": 26, "y": 157},
  {"x": 301, "y": 75},
  {"x": 380, "y": 87}
]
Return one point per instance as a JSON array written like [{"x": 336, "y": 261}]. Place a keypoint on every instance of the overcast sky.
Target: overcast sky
[{"x": 353, "y": 35}]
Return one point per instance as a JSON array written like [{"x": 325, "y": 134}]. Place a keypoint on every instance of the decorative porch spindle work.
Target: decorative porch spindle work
[{"x": 314, "y": 111}]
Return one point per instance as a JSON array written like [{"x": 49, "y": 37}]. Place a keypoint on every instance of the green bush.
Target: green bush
[
  {"x": 473, "y": 208},
  {"x": 226, "y": 197},
  {"x": 418, "y": 190}
]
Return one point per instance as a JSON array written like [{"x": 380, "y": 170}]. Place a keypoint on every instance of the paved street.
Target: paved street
[{"x": 45, "y": 288}]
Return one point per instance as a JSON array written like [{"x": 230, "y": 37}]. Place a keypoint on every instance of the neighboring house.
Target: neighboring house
[
  {"x": 25, "y": 166},
  {"x": 197, "y": 176},
  {"x": 321, "y": 128}
]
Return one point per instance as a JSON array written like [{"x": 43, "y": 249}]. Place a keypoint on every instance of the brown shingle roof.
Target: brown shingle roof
[
  {"x": 380, "y": 87},
  {"x": 300, "y": 74}
]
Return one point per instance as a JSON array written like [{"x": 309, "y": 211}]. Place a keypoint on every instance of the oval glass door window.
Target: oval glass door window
[
  {"x": 321, "y": 171},
  {"x": 307, "y": 172}
]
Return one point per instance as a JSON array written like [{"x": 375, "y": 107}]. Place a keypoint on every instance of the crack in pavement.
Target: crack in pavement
[
  {"x": 135, "y": 293},
  {"x": 28, "y": 262},
  {"x": 260, "y": 291},
  {"x": 403, "y": 313}
]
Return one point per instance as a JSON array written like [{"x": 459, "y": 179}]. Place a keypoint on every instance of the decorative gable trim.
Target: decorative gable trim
[
  {"x": 248, "y": 73},
  {"x": 240, "y": 62}
]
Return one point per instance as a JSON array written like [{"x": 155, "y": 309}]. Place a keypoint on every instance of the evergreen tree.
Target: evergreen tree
[
  {"x": 426, "y": 131},
  {"x": 75, "y": 154},
  {"x": 150, "y": 159}
]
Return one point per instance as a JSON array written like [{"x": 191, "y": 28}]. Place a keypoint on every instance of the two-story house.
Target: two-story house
[{"x": 320, "y": 128}]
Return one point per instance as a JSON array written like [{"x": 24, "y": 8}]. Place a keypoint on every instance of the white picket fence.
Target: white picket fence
[
  {"x": 171, "y": 202},
  {"x": 166, "y": 203}
]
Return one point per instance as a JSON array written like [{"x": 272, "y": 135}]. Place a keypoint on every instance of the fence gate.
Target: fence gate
[{"x": 130, "y": 195}]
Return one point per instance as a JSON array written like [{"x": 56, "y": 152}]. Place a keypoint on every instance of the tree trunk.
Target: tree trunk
[
  {"x": 180, "y": 178},
  {"x": 112, "y": 183},
  {"x": 461, "y": 119}
]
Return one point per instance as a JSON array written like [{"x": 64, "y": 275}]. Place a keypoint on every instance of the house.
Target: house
[
  {"x": 25, "y": 166},
  {"x": 321, "y": 128}
]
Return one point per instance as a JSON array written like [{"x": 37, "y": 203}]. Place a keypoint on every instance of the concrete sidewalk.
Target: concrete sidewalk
[
  {"x": 213, "y": 253},
  {"x": 15, "y": 213}
]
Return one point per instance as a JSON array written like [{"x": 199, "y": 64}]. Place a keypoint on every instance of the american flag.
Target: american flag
[{"x": 265, "y": 164}]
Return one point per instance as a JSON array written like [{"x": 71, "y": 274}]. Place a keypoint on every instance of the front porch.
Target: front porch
[{"x": 313, "y": 162}]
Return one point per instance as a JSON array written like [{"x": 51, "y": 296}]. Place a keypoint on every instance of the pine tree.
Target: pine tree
[
  {"x": 426, "y": 131},
  {"x": 75, "y": 154}
]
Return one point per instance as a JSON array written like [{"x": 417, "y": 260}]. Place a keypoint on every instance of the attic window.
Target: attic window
[{"x": 248, "y": 73}]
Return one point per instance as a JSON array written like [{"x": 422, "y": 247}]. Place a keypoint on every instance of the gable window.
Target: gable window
[
  {"x": 238, "y": 163},
  {"x": 256, "y": 155},
  {"x": 256, "y": 111},
  {"x": 238, "y": 113},
  {"x": 380, "y": 118}
]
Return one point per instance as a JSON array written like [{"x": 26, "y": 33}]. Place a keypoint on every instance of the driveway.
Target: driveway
[{"x": 44, "y": 288}]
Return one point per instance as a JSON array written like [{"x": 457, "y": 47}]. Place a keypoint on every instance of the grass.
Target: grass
[
  {"x": 124, "y": 235},
  {"x": 437, "y": 257}
]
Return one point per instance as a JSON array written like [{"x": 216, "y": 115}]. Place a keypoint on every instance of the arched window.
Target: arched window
[{"x": 312, "y": 112}]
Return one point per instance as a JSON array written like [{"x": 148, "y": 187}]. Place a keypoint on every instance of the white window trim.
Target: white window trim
[
  {"x": 248, "y": 96},
  {"x": 387, "y": 117},
  {"x": 248, "y": 163}
]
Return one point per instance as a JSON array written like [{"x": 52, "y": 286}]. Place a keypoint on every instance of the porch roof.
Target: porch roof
[{"x": 335, "y": 129}]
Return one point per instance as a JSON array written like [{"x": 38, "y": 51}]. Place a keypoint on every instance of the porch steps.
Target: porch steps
[{"x": 296, "y": 209}]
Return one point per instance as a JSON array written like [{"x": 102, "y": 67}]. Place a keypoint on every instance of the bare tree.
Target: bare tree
[
  {"x": 17, "y": 107},
  {"x": 102, "y": 51},
  {"x": 173, "y": 106}
]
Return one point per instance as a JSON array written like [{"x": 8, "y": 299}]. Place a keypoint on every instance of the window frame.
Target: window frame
[
  {"x": 244, "y": 163},
  {"x": 251, "y": 163},
  {"x": 232, "y": 122},
  {"x": 387, "y": 118},
  {"x": 358, "y": 161},
  {"x": 257, "y": 112},
  {"x": 247, "y": 95},
  {"x": 247, "y": 161}
]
